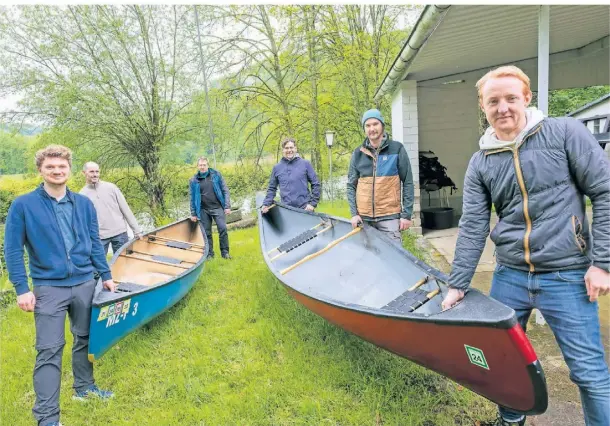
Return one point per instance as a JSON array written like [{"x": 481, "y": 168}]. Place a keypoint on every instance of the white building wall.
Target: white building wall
[
  {"x": 602, "y": 108},
  {"x": 405, "y": 130},
  {"x": 449, "y": 126}
]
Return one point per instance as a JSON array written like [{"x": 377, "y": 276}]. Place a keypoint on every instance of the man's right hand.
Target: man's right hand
[
  {"x": 356, "y": 220},
  {"x": 194, "y": 218},
  {"x": 454, "y": 295},
  {"x": 265, "y": 209},
  {"x": 27, "y": 301}
]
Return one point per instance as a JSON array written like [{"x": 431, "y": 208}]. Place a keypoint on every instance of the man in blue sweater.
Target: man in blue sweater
[
  {"x": 59, "y": 229},
  {"x": 293, "y": 174}
]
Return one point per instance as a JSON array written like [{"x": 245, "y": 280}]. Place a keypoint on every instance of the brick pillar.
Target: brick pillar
[{"x": 405, "y": 129}]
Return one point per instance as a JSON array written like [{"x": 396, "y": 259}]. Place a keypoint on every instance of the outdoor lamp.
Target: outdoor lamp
[{"x": 330, "y": 135}]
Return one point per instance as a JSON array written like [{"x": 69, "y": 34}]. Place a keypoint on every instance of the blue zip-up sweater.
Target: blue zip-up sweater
[
  {"x": 220, "y": 189},
  {"x": 32, "y": 222},
  {"x": 293, "y": 177}
]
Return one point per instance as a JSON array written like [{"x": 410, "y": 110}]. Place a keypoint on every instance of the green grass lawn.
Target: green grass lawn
[{"x": 237, "y": 350}]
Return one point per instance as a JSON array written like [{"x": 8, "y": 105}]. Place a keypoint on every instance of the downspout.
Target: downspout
[{"x": 427, "y": 22}]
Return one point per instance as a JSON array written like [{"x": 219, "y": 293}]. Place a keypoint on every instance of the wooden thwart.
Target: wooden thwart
[
  {"x": 157, "y": 237},
  {"x": 325, "y": 249},
  {"x": 420, "y": 283},
  {"x": 156, "y": 261}
]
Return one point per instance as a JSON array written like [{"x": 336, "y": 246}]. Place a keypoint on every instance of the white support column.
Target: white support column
[
  {"x": 544, "y": 14},
  {"x": 405, "y": 129},
  {"x": 543, "y": 57}
]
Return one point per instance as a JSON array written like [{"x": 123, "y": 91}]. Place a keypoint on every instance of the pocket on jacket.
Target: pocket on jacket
[{"x": 577, "y": 233}]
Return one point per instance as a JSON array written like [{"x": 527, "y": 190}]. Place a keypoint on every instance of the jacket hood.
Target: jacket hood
[{"x": 489, "y": 139}]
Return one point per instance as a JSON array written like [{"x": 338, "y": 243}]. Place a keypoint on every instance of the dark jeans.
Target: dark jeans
[
  {"x": 221, "y": 223},
  {"x": 52, "y": 304},
  {"x": 117, "y": 242}
]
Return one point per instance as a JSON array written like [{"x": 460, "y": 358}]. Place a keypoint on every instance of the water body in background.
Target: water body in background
[{"x": 246, "y": 204}]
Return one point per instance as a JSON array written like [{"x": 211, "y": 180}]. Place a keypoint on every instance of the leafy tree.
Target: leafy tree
[{"x": 115, "y": 78}]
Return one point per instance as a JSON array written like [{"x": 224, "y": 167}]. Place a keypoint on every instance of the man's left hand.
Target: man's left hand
[
  {"x": 110, "y": 285},
  {"x": 227, "y": 211},
  {"x": 598, "y": 282},
  {"x": 309, "y": 208},
  {"x": 405, "y": 224}
]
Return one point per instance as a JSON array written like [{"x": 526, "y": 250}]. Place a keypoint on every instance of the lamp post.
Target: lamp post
[{"x": 330, "y": 136}]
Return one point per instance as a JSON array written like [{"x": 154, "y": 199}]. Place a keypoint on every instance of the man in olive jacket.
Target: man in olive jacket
[
  {"x": 536, "y": 172},
  {"x": 380, "y": 182}
]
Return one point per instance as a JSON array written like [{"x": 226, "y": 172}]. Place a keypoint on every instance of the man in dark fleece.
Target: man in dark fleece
[
  {"x": 60, "y": 231},
  {"x": 210, "y": 200},
  {"x": 294, "y": 175}
]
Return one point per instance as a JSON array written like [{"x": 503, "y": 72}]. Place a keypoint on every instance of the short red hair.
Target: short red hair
[{"x": 505, "y": 71}]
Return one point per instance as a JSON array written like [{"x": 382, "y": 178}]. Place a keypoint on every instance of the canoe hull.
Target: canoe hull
[
  {"x": 443, "y": 348},
  {"x": 157, "y": 282},
  {"x": 108, "y": 325},
  {"x": 359, "y": 280}
]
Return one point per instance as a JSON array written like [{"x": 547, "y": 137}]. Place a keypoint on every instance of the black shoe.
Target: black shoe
[
  {"x": 210, "y": 256},
  {"x": 226, "y": 256},
  {"x": 501, "y": 422}
]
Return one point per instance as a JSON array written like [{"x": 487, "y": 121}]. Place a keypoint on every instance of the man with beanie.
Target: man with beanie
[
  {"x": 210, "y": 200},
  {"x": 536, "y": 172},
  {"x": 380, "y": 181}
]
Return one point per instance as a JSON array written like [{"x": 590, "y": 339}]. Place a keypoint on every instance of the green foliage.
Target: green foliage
[
  {"x": 564, "y": 101},
  {"x": 13, "y": 149},
  {"x": 239, "y": 350}
]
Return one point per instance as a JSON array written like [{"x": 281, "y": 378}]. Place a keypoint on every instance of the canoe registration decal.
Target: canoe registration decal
[
  {"x": 476, "y": 357},
  {"x": 116, "y": 312}
]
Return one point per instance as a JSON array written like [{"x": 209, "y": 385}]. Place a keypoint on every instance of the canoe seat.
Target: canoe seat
[
  {"x": 178, "y": 244},
  {"x": 408, "y": 301},
  {"x": 300, "y": 239},
  {"x": 166, "y": 259},
  {"x": 127, "y": 287}
]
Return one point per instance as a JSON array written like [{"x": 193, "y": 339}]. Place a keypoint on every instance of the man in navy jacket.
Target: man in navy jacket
[
  {"x": 59, "y": 229},
  {"x": 293, "y": 174}
]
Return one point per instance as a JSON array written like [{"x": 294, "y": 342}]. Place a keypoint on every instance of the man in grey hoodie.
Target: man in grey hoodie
[{"x": 536, "y": 172}]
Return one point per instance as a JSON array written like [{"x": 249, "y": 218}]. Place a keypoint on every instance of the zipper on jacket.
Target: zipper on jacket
[
  {"x": 62, "y": 237},
  {"x": 526, "y": 214},
  {"x": 374, "y": 176}
]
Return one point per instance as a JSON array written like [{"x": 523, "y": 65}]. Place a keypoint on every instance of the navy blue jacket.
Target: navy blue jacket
[
  {"x": 293, "y": 177},
  {"x": 31, "y": 222},
  {"x": 220, "y": 189}
]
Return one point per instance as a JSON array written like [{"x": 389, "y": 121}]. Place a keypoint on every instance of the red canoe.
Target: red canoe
[{"x": 358, "y": 280}]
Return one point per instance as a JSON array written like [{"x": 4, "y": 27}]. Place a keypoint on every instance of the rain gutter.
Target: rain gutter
[{"x": 427, "y": 22}]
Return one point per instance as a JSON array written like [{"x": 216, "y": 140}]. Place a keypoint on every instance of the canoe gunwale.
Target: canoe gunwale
[
  {"x": 126, "y": 295},
  {"x": 448, "y": 317}
]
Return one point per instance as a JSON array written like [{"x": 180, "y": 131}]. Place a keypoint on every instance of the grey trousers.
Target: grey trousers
[
  {"x": 52, "y": 304},
  {"x": 389, "y": 227}
]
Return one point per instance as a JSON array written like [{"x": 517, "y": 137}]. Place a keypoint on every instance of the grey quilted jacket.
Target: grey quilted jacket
[{"x": 538, "y": 193}]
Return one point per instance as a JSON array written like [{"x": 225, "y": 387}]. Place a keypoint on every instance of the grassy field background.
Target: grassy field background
[{"x": 237, "y": 350}]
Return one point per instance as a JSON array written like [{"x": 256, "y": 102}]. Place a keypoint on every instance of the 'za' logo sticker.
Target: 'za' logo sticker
[{"x": 476, "y": 357}]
